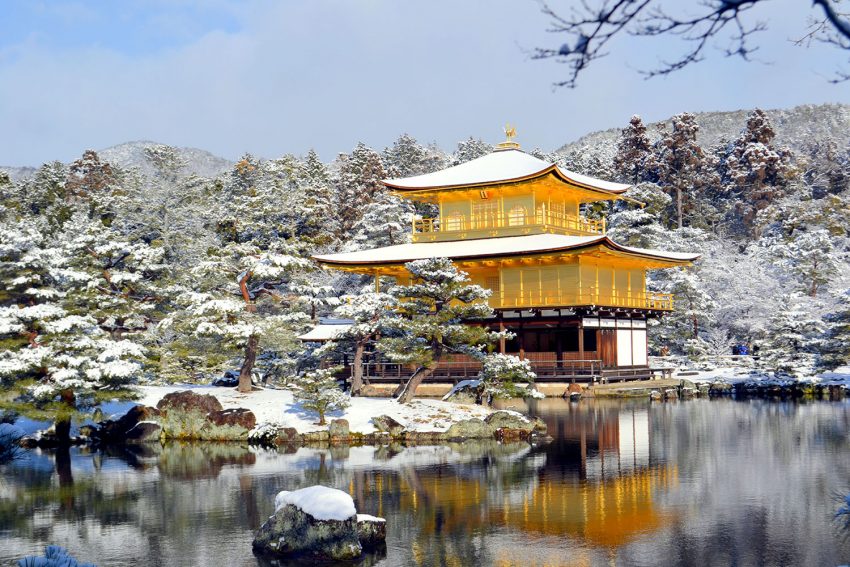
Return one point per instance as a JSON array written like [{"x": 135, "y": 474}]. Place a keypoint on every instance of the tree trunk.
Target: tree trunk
[
  {"x": 248, "y": 364},
  {"x": 62, "y": 423},
  {"x": 357, "y": 369},
  {"x": 409, "y": 389},
  {"x": 679, "y": 204}
]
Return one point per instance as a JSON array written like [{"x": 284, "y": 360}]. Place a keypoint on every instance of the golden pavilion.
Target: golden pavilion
[{"x": 576, "y": 300}]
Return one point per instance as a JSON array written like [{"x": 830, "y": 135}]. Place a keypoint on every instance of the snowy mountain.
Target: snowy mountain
[
  {"x": 131, "y": 154},
  {"x": 794, "y": 127}
]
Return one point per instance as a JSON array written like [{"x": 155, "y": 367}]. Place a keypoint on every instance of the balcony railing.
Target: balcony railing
[
  {"x": 524, "y": 298},
  {"x": 543, "y": 218}
]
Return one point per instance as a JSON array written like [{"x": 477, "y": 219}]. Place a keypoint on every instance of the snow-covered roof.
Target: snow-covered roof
[
  {"x": 325, "y": 332},
  {"x": 490, "y": 247},
  {"x": 499, "y": 167}
]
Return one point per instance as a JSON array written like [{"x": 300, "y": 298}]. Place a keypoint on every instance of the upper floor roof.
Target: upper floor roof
[{"x": 500, "y": 167}]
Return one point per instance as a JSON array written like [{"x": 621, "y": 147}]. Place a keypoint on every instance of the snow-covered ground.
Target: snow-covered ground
[
  {"x": 279, "y": 407},
  {"x": 737, "y": 374}
]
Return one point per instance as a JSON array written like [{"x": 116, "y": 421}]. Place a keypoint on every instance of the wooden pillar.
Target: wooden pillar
[
  {"x": 580, "y": 340},
  {"x": 502, "y": 338},
  {"x": 520, "y": 336},
  {"x": 559, "y": 346}
]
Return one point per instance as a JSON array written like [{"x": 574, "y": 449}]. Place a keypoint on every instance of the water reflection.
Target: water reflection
[{"x": 621, "y": 483}]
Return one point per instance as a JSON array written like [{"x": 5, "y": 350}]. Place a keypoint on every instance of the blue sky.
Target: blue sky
[{"x": 272, "y": 77}]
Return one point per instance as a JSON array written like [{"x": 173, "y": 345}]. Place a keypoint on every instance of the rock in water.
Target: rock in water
[
  {"x": 372, "y": 531},
  {"x": 318, "y": 521}
]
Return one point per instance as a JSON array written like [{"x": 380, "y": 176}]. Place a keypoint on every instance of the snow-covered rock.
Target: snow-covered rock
[{"x": 319, "y": 521}]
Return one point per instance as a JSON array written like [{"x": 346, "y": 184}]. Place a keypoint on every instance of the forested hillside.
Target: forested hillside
[{"x": 150, "y": 263}]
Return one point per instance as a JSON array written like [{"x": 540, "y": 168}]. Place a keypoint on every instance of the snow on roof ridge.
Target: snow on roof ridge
[
  {"x": 484, "y": 247},
  {"x": 497, "y": 166}
]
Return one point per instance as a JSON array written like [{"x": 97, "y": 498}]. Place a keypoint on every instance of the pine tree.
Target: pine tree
[
  {"x": 315, "y": 218},
  {"x": 641, "y": 226},
  {"x": 470, "y": 149},
  {"x": 809, "y": 256},
  {"x": 319, "y": 391},
  {"x": 370, "y": 312},
  {"x": 693, "y": 310},
  {"x": 681, "y": 164},
  {"x": 756, "y": 171},
  {"x": 835, "y": 349},
  {"x": 68, "y": 319},
  {"x": 500, "y": 375},
  {"x": 634, "y": 150},
  {"x": 431, "y": 319},
  {"x": 385, "y": 222},
  {"x": 791, "y": 343},
  {"x": 358, "y": 183}
]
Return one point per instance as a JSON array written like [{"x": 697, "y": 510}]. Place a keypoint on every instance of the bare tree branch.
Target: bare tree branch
[{"x": 590, "y": 27}]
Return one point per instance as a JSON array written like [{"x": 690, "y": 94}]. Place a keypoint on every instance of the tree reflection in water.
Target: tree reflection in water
[{"x": 621, "y": 483}]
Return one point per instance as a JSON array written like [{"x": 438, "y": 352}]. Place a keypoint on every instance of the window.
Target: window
[
  {"x": 455, "y": 221},
  {"x": 485, "y": 215},
  {"x": 516, "y": 216}
]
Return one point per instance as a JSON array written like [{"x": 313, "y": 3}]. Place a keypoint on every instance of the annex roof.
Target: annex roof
[
  {"x": 326, "y": 331},
  {"x": 490, "y": 248},
  {"x": 500, "y": 166}
]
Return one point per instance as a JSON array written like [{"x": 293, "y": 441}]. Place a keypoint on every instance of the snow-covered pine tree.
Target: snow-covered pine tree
[
  {"x": 500, "y": 375},
  {"x": 65, "y": 350},
  {"x": 835, "y": 348},
  {"x": 469, "y": 149},
  {"x": 693, "y": 310},
  {"x": 315, "y": 217},
  {"x": 791, "y": 344},
  {"x": 641, "y": 226},
  {"x": 406, "y": 158},
  {"x": 431, "y": 318},
  {"x": 755, "y": 170},
  {"x": 358, "y": 183},
  {"x": 386, "y": 221},
  {"x": 319, "y": 391},
  {"x": 634, "y": 149},
  {"x": 809, "y": 256},
  {"x": 370, "y": 312},
  {"x": 235, "y": 298},
  {"x": 681, "y": 164}
]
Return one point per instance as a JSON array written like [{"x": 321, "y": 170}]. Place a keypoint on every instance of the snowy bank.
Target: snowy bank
[{"x": 279, "y": 408}]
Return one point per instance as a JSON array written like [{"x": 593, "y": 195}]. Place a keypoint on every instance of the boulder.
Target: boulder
[
  {"x": 115, "y": 430},
  {"x": 371, "y": 531},
  {"x": 473, "y": 428},
  {"x": 271, "y": 434},
  {"x": 338, "y": 429},
  {"x": 509, "y": 420},
  {"x": 187, "y": 401},
  {"x": 238, "y": 417},
  {"x": 655, "y": 396},
  {"x": 144, "y": 432},
  {"x": 317, "y": 521},
  {"x": 386, "y": 424}
]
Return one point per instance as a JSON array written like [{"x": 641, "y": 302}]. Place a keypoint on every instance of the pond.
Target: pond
[{"x": 693, "y": 483}]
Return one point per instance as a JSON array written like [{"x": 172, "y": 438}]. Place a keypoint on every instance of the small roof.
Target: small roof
[
  {"x": 325, "y": 332},
  {"x": 501, "y": 166},
  {"x": 491, "y": 247}
]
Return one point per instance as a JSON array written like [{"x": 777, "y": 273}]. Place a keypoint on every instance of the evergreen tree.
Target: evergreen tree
[
  {"x": 358, "y": 183},
  {"x": 370, "y": 312},
  {"x": 756, "y": 171},
  {"x": 319, "y": 391},
  {"x": 470, "y": 149},
  {"x": 634, "y": 150},
  {"x": 791, "y": 343},
  {"x": 315, "y": 218},
  {"x": 431, "y": 319},
  {"x": 407, "y": 158},
  {"x": 809, "y": 256},
  {"x": 835, "y": 349},
  {"x": 385, "y": 222},
  {"x": 500, "y": 375},
  {"x": 681, "y": 164}
]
